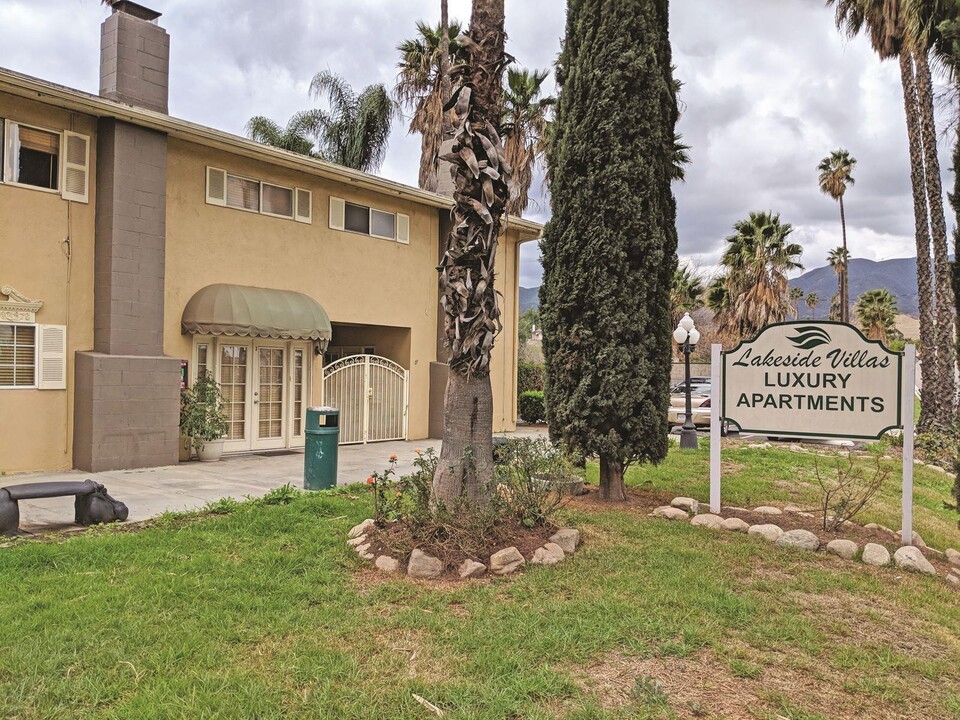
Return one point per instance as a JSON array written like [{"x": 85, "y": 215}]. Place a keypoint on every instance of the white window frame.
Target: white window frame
[
  {"x": 36, "y": 357},
  {"x": 293, "y": 201},
  {"x": 399, "y": 221},
  {"x": 7, "y": 122},
  {"x": 294, "y": 215}
]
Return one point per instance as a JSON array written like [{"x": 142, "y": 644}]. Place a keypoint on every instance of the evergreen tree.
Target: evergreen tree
[{"x": 609, "y": 251}]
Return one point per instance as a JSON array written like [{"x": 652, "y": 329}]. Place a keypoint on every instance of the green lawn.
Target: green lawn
[{"x": 264, "y": 613}]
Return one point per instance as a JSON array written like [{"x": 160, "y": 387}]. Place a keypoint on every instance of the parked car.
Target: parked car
[{"x": 700, "y": 389}]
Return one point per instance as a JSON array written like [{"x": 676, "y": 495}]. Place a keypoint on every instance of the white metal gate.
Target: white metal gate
[{"x": 372, "y": 395}]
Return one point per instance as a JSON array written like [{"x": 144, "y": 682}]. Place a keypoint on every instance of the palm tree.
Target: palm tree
[
  {"x": 811, "y": 301},
  {"x": 836, "y": 175},
  {"x": 471, "y": 316},
  {"x": 796, "y": 295},
  {"x": 757, "y": 260},
  {"x": 353, "y": 132},
  {"x": 421, "y": 88},
  {"x": 884, "y": 22},
  {"x": 839, "y": 260},
  {"x": 295, "y": 137},
  {"x": 685, "y": 292},
  {"x": 525, "y": 128},
  {"x": 877, "y": 312}
]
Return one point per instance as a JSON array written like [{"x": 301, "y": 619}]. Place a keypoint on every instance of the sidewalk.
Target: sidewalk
[{"x": 151, "y": 491}]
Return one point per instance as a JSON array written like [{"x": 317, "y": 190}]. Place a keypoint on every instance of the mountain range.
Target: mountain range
[{"x": 898, "y": 275}]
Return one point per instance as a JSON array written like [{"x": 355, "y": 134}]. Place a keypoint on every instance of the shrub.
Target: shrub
[
  {"x": 847, "y": 492},
  {"x": 532, "y": 408},
  {"x": 535, "y": 479},
  {"x": 408, "y": 498},
  {"x": 530, "y": 376}
]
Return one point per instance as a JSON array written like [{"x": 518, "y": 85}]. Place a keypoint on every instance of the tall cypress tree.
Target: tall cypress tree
[{"x": 609, "y": 251}]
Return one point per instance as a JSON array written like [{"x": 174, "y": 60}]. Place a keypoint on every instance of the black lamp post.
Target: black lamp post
[{"x": 687, "y": 337}]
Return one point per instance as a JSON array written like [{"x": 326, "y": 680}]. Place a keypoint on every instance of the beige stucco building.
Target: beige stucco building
[{"x": 120, "y": 226}]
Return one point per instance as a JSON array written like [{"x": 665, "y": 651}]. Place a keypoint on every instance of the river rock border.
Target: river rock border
[
  {"x": 908, "y": 557},
  {"x": 422, "y": 566}
]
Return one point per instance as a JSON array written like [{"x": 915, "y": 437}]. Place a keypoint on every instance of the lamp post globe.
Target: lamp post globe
[{"x": 687, "y": 336}]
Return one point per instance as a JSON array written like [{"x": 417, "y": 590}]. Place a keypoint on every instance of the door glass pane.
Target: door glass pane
[
  {"x": 233, "y": 385},
  {"x": 270, "y": 414},
  {"x": 297, "y": 393}
]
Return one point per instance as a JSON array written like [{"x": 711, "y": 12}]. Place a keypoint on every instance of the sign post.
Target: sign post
[{"x": 814, "y": 379}]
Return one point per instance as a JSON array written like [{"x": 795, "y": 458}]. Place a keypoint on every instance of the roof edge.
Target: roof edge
[{"x": 79, "y": 101}]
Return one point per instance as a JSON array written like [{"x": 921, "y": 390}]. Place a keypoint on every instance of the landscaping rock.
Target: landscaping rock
[
  {"x": 424, "y": 566},
  {"x": 916, "y": 540},
  {"x": 362, "y": 529},
  {"x": 670, "y": 513},
  {"x": 567, "y": 538},
  {"x": 712, "y": 522},
  {"x": 767, "y": 510},
  {"x": 875, "y": 526},
  {"x": 387, "y": 563},
  {"x": 684, "y": 503},
  {"x": 771, "y": 533},
  {"x": 800, "y": 539},
  {"x": 505, "y": 561},
  {"x": 874, "y": 554},
  {"x": 363, "y": 551},
  {"x": 910, "y": 558},
  {"x": 953, "y": 557},
  {"x": 759, "y": 445},
  {"x": 953, "y": 579},
  {"x": 735, "y": 524},
  {"x": 359, "y": 540},
  {"x": 792, "y": 509},
  {"x": 549, "y": 554},
  {"x": 472, "y": 568},
  {"x": 846, "y": 549}
]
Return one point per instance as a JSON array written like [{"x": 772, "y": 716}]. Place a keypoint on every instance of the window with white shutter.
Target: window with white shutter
[
  {"x": 52, "y": 357},
  {"x": 403, "y": 229},
  {"x": 76, "y": 167},
  {"x": 304, "y": 206},
  {"x": 216, "y": 186},
  {"x": 337, "y": 210}
]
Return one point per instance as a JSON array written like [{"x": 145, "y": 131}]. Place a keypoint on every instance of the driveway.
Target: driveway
[{"x": 151, "y": 491}]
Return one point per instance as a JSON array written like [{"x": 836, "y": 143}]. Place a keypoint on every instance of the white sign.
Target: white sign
[{"x": 817, "y": 379}]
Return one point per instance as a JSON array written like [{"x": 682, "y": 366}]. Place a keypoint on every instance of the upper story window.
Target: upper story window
[
  {"x": 45, "y": 159},
  {"x": 258, "y": 196},
  {"x": 369, "y": 221}
]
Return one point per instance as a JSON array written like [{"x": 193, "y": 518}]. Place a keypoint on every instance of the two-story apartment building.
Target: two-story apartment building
[{"x": 137, "y": 249}]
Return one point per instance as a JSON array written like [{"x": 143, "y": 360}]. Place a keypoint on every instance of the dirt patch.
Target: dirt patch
[
  {"x": 735, "y": 688},
  {"x": 454, "y": 545}
]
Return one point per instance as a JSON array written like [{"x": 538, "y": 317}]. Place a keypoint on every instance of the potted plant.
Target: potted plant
[{"x": 203, "y": 418}]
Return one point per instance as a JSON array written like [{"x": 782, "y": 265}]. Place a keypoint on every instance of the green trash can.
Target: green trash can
[{"x": 322, "y": 448}]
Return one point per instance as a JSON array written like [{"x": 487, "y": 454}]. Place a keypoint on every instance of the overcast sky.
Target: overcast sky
[{"x": 769, "y": 89}]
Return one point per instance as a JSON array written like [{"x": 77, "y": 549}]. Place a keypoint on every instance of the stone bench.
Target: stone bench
[{"x": 92, "y": 505}]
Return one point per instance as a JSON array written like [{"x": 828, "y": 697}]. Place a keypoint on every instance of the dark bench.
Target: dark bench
[{"x": 93, "y": 504}]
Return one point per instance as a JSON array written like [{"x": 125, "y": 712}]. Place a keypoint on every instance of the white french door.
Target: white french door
[{"x": 265, "y": 387}]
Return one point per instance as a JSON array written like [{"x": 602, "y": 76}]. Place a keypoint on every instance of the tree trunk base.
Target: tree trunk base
[
  {"x": 612, "y": 487},
  {"x": 464, "y": 473}
]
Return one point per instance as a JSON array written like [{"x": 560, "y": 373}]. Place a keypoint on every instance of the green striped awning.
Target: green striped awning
[{"x": 245, "y": 311}]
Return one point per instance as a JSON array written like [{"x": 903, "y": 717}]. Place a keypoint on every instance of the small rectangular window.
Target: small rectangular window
[
  {"x": 18, "y": 356},
  {"x": 383, "y": 224},
  {"x": 356, "y": 218},
  {"x": 202, "y": 366},
  {"x": 277, "y": 200},
  {"x": 32, "y": 156},
  {"x": 243, "y": 193}
]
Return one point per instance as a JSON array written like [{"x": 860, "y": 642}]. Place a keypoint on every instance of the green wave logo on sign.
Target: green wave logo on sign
[{"x": 810, "y": 337}]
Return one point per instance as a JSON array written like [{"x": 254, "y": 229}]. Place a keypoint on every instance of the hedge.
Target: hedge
[
  {"x": 530, "y": 376},
  {"x": 531, "y": 407}
]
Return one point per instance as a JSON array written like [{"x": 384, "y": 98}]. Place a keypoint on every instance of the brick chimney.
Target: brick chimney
[{"x": 134, "y": 57}]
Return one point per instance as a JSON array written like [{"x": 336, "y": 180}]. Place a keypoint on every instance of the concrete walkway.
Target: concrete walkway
[{"x": 188, "y": 486}]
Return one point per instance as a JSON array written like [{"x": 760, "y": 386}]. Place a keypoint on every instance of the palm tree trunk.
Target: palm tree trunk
[
  {"x": 946, "y": 354},
  {"x": 929, "y": 393},
  {"x": 444, "y": 64},
  {"x": 844, "y": 271},
  {"x": 469, "y": 300}
]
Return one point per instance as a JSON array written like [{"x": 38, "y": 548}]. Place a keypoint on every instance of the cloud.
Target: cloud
[{"x": 769, "y": 89}]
